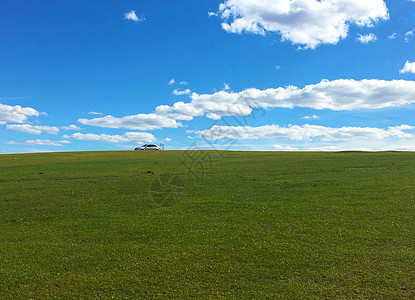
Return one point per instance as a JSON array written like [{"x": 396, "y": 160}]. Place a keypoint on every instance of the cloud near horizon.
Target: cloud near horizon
[
  {"x": 336, "y": 95},
  {"x": 33, "y": 129},
  {"x": 279, "y": 147},
  {"x": 40, "y": 142},
  {"x": 140, "y": 137},
  {"x": 300, "y": 133},
  {"x": 136, "y": 122}
]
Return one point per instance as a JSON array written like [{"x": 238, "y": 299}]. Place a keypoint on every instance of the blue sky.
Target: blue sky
[{"x": 259, "y": 75}]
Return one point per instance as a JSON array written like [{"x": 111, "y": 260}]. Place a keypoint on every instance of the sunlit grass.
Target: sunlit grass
[{"x": 251, "y": 225}]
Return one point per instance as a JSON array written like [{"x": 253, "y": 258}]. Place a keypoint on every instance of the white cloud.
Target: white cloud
[
  {"x": 328, "y": 148},
  {"x": 299, "y": 133},
  {"x": 179, "y": 93},
  {"x": 136, "y": 122},
  {"x": 140, "y": 137},
  {"x": 392, "y": 144},
  {"x": 33, "y": 129},
  {"x": 40, "y": 142},
  {"x": 167, "y": 139},
  {"x": 368, "y": 38},
  {"x": 304, "y": 22},
  {"x": 311, "y": 117},
  {"x": 184, "y": 83},
  {"x": 215, "y": 106},
  {"x": 16, "y": 114},
  {"x": 211, "y": 14},
  {"x": 131, "y": 15},
  {"x": 284, "y": 148},
  {"x": 226, "y": 86},
  {"x": 342, "y": 94},
  {"x": 408, "y": 35},
  {"x": 172, "y": 81},
  {"x": 409, "y": 67},
  {"x": 70, "y": 127},
  {"x": 95, "y": 113},
  {"x": 277, "y": 67},
  {"x": 179, "y": 111},
  {"x": 392, "y": 36}
]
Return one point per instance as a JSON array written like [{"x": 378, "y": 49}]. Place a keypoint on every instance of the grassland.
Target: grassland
[{"x": 251, "y": 225}]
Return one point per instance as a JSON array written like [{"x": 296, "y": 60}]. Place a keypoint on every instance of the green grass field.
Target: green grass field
[{"x": 251, "y": 225}]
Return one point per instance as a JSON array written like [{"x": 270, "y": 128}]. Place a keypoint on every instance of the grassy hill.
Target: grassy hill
[{"x": 206, "y": 224}]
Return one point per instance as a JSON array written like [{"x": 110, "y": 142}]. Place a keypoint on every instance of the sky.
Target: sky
[{"x": 283, "y": 75}]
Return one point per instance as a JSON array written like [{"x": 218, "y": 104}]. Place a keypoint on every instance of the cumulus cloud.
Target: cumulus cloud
[
  {"x": 184, "y": 92},
  {"x": 131, "y": 15},
  {"x": 172, "y": 81},
  {"x": 366, "y": 39},
  {"x": 299, "y": 133},
  {"x": 304, "y": 22},
  {"x": 16, "y": 114},
  {"x": 179, "y": 111},
  {"x": 136, "y": 122},
  {"x": 342, "y": 94},
  {"x": 409, "y": 67},
  {"x": 226, "y": 87},
  {"x": 70, "y": 127},
  {"x": 40, "y": 142},
  {"x": 33, "y": 129},
  {"x": 140, "y": 137},
  {"x": 214, "y": 106}
]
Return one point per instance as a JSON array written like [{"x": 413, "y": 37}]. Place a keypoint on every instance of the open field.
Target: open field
[{"x": 251, "y": 225}]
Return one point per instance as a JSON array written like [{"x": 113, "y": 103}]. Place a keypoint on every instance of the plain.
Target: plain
[{"x": 180, "y": 224}]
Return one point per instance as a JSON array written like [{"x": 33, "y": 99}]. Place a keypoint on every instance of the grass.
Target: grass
[{"x": 251, "y": 225}]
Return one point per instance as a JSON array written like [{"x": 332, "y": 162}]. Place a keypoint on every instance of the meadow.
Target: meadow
[{"x": 169, "y": 224}]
